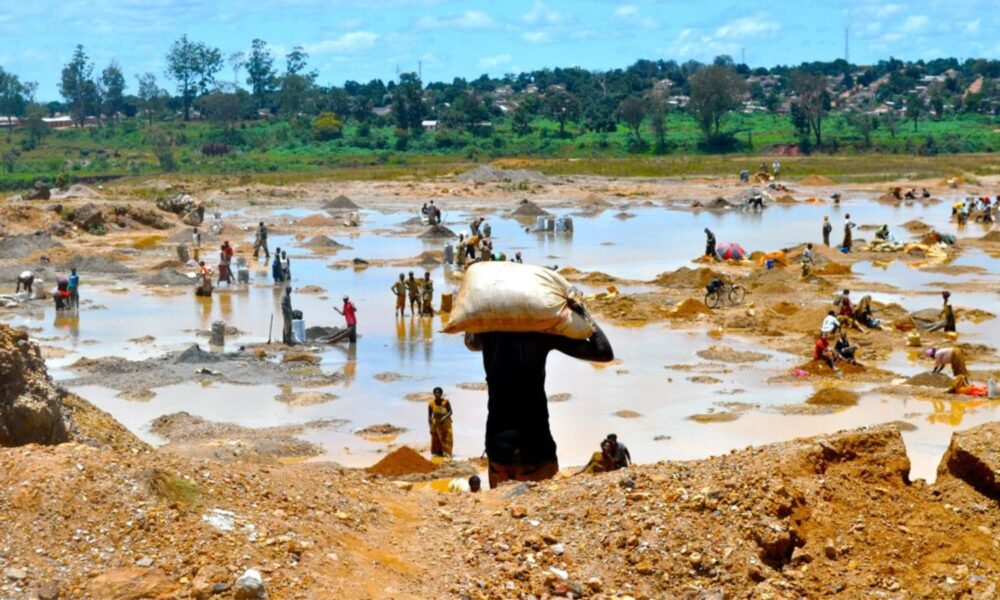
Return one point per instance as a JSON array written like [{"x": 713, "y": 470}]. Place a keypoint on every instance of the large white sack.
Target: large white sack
[{"x": 511, "y": 297}]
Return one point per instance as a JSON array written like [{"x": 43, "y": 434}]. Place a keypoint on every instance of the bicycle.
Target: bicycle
[{"x": 721, "y": 291}]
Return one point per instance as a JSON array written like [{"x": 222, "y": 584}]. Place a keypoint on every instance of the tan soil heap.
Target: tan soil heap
[
  {"x": 341, "y": 202},
  {"x": 402, "y": 461},
  {"x": 816, "y": 180},
  {"x": 527, "y": 208}
]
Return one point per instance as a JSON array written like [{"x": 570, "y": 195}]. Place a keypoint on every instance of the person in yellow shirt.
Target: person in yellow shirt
[
  {"x": 439, "y": 421},
  {"x": 399, "y": 289}
]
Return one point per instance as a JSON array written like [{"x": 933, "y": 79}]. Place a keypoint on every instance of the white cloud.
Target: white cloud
[
  {"x": 470, "y": 19},
  {"x": 492, "y": 62},
  {"x": 915, "y": 23},
  {"x": 536, "y": 37},
  {"x": 746, "y": 27},
  {"x": 540, "y": 13},
  {"x": 973, "y": 26},
  {"x": 629, "y": 15},
  {"x": 626, "y": 10},
  {"x": 349, "y": 42}
]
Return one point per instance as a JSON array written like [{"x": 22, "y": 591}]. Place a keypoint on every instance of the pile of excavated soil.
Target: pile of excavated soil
[
  {"x": 636, "y": 309},
  {"x": 807, "y": 319},
  {"x": 725, "y": 354},
  {"x": 105, "y": 263},
  {"x": 436, "y": 231},
  {"x": 816, "y": 180},
  {"x": 402, "y": 461},
  {"x": 322, "y": 242},
  {"x": 833, "y": 396},
  {"x": 833, "y": 269},
  {"x": 167, "y": 276},
  {"x": 19, "y": 246},
  {"x": 304, "y": 398},
  {"x": 993, "y": 236},
  {"x": 929, "y": 379},
  {"x": 690, "y": 309},
  {"x": 341, "y": 202},
  {"x": 785, "y": 199},
  {"x": 527, "y": 208},
  {"x": 595, "y": 201},
  {"x": 598, "y": 278},
  {"x": 317, "y": 221},
  {"x": 784, "y": 308},
  {"x": 686, "y": 278},
  {"x": 916, "y": 226},
  {"x": 382, "y": 429},
  {"x": 488, "y": 174}
]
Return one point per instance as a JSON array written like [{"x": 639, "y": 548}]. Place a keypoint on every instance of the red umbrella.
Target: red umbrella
[{"x": 731, "y": 251}]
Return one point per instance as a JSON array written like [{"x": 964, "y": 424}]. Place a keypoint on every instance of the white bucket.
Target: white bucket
[{"x": 299, "y": 331}]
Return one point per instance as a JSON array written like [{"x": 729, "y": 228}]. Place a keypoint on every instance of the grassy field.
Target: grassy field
[{"x": 279, "y": 152}]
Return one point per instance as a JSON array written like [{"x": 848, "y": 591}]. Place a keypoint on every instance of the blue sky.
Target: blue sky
[{"x": 365, "y": 40}]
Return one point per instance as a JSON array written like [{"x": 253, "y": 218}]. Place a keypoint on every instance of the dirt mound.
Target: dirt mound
[
  {"x": 833, "y": 268},
  {"x": 488, "y": 174},
  {"x": 322, "y": 242},
  {"x": 993, "y": 236},
  {"x": 598, "y": 278},
  {"x": 33, "y": 410},
  {"x": 595, "y": 201},
  {"x": 816, "y": 180},
  {"x": 91, "y": 264},
  {"x": 167, "y": 276},
  {"x": 527, "y": 208},
  {"x": 690, "y": 309},
  {"x": 916, "y": 226},
  {"x": 785, "y": 199},
  {"x": 19, "y": 246},
  {"x": 402, "y": 461},
  {"x": 784, "y": 308},
  {"x": 341, "y": 202},
  {"x": 686, "y": 278},
  {"x": 436, "y": 231},
  {"x": 833, "y": 396},
  {"x": 194, "y": 355},
  {"x": 929, "y": 379},
  {"x": 725, "y": 354},
  {"x": 380, "y": 430},
  {"x": 317, "y": 221}
]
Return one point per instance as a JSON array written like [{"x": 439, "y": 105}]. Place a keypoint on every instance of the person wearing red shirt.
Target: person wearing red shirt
[
  {"x": 821, "y": 352},
  {"x": 350, "y": 316}
]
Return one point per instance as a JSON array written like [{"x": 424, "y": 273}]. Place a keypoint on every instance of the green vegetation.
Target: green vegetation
[{"x": 285, "y": 122}]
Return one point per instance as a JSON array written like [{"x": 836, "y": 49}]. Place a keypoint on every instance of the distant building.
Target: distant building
[
  {"x": 429, "y": 125},
  {"x": 381, "y": 111},
  {"x": 9, "y": 122}
]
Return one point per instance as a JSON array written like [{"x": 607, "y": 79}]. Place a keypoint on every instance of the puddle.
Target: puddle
[{"x": 656, "y": 240}]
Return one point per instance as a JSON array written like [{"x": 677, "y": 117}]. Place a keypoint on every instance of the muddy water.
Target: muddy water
[{"x": 656, "y": 240}]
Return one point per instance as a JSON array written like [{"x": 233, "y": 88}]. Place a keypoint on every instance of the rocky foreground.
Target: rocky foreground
[{"x": 89, "y": 511}]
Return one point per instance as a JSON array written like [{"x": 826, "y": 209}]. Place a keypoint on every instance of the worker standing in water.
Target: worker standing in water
[
  {"x": 399, "y": 290},
  {"x": 260, "y": 242},
  {"x": 710, "y": 244},
  {"x": 74, "y": 288},
  {"x": 827, "y": 229},
  {"x": 519, "y": 444},
  {"x": 413, "y": 288},
  {"x": 439, "y": 421},
  {"x": 427, "y": 295}
]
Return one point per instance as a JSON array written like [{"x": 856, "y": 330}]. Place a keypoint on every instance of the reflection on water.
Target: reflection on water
[{"x": 656, "y": 240}]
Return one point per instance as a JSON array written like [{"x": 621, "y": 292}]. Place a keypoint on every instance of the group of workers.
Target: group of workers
[
  {"x": 980, "y": 210},
  {"x": 66, "y": 296},
  {"x": 420, "y": 292},
  {"x": 431, "y": 213},
  {"x": 348, "y": 310}
]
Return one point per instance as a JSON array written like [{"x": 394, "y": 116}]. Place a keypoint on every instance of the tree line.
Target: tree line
[{"x": 259, "y": 84}]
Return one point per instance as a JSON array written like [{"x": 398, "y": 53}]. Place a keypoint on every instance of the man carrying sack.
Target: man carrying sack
[{"x": 537, "y": 312}]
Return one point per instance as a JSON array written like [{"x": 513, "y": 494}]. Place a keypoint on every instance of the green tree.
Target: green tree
[
  {"x": 715, "y": 92},
  {"x": 261, "y": 75},
  {"x": 863, "y": 124},
  {"x": 193, "y": 66},
  {"x": 327, "y": 126},
  {"x": 656, "y": 108},
  {"x": 523, "y": 114},
  {"x": 890, "y": 121},
  {"x": 812, "y": 99},
  {"x": 562, "y": 106},
  {"x": 151, "y": 96},
  {"x": 222, "y": 108},
  {"x": 14, "y": 96},
  {"x": 34, "y": 126},
  {"x": 113, "y": 86},
  {"x": 75, "y": 85},
  {"x": 296, "y": 85},
  {"x": 914, "y": 109},
  {"x": 408, "y": 108},
  {"x": 632, "y": 112}
]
